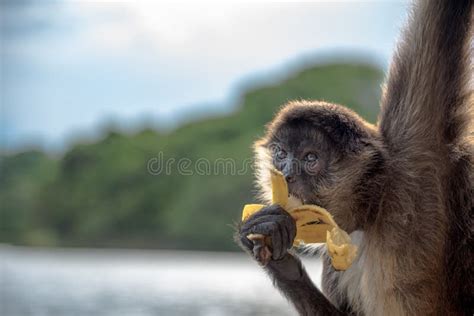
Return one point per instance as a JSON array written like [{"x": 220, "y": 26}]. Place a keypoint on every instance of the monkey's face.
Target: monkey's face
[
  {"x": 322, "y": 149},
  {"x": 303, "y": 154}
]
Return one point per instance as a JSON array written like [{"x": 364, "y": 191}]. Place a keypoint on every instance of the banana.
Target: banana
[
  {"x": 314, "y": 224},
  {"x": 340, "y": 249},
  {"x": 279, "y": 188},
  {"x": 249, "y": 209}
]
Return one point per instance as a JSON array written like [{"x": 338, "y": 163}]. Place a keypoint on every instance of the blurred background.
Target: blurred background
[{"x": 125, "y": 136}]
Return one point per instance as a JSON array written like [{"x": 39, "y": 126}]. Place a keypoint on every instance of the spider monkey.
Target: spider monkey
[{"x": 402, "y": 188}]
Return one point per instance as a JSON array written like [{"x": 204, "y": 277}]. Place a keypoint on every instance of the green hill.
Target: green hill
[{"x": 103, "y": 194}]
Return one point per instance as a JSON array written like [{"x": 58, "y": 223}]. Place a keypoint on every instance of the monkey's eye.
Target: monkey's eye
[
  {"x": 280, "y": 154},
  {"x": 311, "y": 157}
]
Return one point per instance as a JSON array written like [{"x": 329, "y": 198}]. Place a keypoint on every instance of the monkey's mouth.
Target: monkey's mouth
[
  {"x": 302, "y": 196},
  {"x": 298, "y": 195}
]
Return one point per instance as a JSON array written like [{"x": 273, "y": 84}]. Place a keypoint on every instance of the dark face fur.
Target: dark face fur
[
  {"x": 323, "y": 150},
  {"x": 303, "y": 154}
]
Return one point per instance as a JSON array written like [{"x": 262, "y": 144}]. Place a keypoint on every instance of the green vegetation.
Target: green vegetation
[{"x": 102, "y": 194}]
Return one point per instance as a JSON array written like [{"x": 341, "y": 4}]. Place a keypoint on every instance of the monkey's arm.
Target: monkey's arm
[
  {"x": 290, "y": 277},
  {"x": 426, "y": 101},
  {"x": 286, "y": 270}
]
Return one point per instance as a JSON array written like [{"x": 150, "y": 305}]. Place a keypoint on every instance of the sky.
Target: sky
[{"x": 69, "y": 68}]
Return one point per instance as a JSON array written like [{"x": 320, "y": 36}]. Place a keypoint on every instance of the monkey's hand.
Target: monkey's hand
[
  {"x": 268, "y": 234},
  {"x": 272, "y": 232}
]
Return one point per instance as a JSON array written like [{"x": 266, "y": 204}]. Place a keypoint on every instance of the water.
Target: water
[{"x": 118, "y": 282}]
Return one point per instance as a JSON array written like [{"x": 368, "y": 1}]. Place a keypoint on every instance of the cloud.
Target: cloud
[{"x": 125, "y": 59}]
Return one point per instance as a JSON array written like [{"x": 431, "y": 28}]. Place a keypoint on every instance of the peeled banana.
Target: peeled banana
[{"x": 313, "y": 225}]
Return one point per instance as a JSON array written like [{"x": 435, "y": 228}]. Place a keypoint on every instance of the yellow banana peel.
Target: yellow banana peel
[
  {"x": 313, "y": 225},
  {"x": 340, "y": 249}
]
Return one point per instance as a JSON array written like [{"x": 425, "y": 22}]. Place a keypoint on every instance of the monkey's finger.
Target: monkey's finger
[
  {"x": 258, "y": 220},
  {"x": 273, "y": 209},
  {"x": 268, "y": 210},
  {"x": 290, "y": 225},
  {"x": 266, "y": 228},
  {"x": 256, "y": 250},
  {"x": 286, "y": 237},
  {"x": 245, "y": 242},
  {"x": 278, "y": 243},
  {"x": 257, "y": 226},
  {"x": 288, "y": 233},
  {"x": 260, "y": 250},
  {"x": 262, "y": 254},
  {"x": 274, "y": 230}
]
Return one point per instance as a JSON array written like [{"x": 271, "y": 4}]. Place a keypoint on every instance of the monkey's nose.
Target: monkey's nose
[{"x": 290, "y": 178}]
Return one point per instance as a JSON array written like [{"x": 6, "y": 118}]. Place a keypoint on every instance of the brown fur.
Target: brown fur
[{"x": 402, "y": 188}]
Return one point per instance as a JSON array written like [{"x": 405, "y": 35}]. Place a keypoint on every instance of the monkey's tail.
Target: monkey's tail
[
  {"x": 459, "y": 259},
  {"x": 427, "y": 119},
  {"x": 428, "y": 100}
]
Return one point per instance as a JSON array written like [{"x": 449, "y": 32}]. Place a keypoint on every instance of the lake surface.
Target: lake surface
[{"x": 128, "y": 282}]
